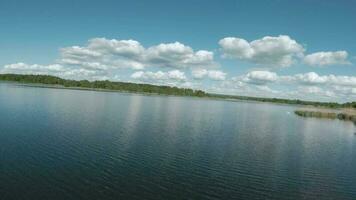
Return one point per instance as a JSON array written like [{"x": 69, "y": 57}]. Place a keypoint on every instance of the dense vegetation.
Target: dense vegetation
[{"x": 148, "y": 88}]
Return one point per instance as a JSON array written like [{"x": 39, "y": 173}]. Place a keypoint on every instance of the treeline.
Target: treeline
[
  {"x": 148, "y": 88},
  {"x": 107, "y": 85}
]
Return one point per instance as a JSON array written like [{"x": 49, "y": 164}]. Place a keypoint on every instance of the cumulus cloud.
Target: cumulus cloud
[
  {"x": 310, "y": 78},
  {"x": 177, "y": 55},
  {"x": 327, "y": 58},
  {"x": 278, "y": 51},
  {"x": 125, "y": 48},
  {"x": 103, "y": 58},
  {"x": 260, "y": 77},
  {"x": 308, "y": 86},
  {"x": 216, "y": 75},
  {"x": 314, "y": 78},
  {"x": 173, "y": 75},
  {"x": 102, "y": 54}
]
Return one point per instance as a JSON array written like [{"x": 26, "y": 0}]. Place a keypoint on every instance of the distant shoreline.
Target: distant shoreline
[
  {"x": 346, "y": 114},
  {"x": 34, "y": 85},
  {"x": 47, "y": 81}
]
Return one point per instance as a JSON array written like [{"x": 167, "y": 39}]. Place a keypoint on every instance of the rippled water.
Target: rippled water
[{"x": 68, "y": 144}]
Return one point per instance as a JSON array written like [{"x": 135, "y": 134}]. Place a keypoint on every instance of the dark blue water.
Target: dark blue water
[{"x": 70, "y": 144}]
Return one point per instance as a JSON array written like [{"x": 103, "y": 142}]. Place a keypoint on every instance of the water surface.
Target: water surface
[{"x": 72, "y": 144}]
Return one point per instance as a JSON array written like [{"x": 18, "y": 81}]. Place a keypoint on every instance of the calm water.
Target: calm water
[{"x": 67, "y": 144}]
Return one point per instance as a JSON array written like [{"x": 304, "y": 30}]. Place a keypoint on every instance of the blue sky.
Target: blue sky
[{"x": 273, "y": 48}]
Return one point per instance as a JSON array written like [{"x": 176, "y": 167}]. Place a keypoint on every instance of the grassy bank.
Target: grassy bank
[{"x": 347, "y": 115}]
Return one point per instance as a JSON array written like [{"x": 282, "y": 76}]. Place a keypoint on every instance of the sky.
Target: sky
[{"x": 303, "y": 49}]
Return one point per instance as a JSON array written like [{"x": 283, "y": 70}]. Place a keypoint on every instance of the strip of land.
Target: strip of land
[
  {"x": 341, "y": 114},
  {"x": 53, "y": 81}
]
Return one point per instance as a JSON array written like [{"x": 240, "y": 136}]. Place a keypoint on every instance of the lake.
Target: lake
[{"x": 72, "y": 144}]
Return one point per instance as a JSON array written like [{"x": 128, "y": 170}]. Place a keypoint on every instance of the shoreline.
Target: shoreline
[
  {"x": 310, "y": 111},
  {"x": 324, "y": 113},
  {"x": 48, "y": 81},
  {"x": 61, "y": 87},
  {"x": 53, "y": 86}
]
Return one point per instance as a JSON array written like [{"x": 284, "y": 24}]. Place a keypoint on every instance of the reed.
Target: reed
[{"x": 347, "y": 116}]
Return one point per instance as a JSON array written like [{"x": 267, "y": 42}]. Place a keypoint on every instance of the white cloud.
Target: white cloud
[
  {"x": 236, "y": 48},
  {"x": 177, "y": 55},
  {"x": 125, "y": 48},
  {"x": 278, "y": 51},
  {"x": 260, "y": 77},
  {"x": 307, "y": 78},
  {"x": 158, "y": 76},
  {"x": 216, "y": 75},
  {"x": 176, "y": 75},
  {"x": 314, "y": 78},
  {"x": 102, "y": 54},
  {"x": 307, "y": 86},
  {"x": 102, "y": 59},
  {"x": 327, "y": 58},
  {"x": 199, "y": 73},
  {"x": 310, "y": 78}
]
